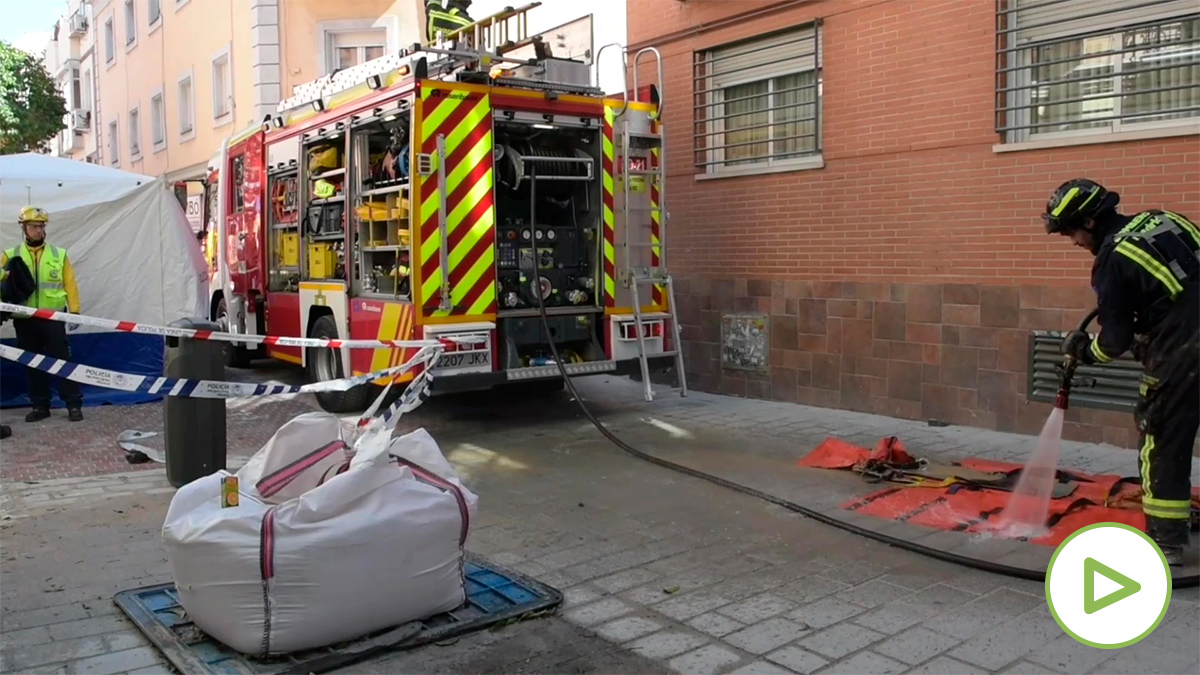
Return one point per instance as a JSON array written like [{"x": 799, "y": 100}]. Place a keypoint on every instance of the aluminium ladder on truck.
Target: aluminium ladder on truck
[{"x": 640, "y": 160}]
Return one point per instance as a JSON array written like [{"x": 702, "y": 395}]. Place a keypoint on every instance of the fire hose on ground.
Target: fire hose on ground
[{"x": 986, "y": 566}]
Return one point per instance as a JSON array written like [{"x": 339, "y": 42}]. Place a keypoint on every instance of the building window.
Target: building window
[
  {"x": 86, "y": 99},
  {"x": 346, "y": 49},
  {"x": 222, "y": 89},
  {"x": 114, "y": 150},
  {"x": 130, "y": 24},
  {"x": 158, "y": 121},
  {"x": 135, "y": 134},
  {"x": 187, "y": 106},
  {"x": 1085, "y": 67},
  {"x": 153, "y": 11},
  {"x": 759, "y": 103},
  {"x": 110, "y": 41},
  {"x": 76, "y": 89}
]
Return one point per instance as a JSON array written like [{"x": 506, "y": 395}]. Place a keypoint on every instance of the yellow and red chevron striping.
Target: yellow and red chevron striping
[
  {"x": 463, "y": 118},
  {"x": 610, "y": 246},
  {"x": 655, "y": 221}
]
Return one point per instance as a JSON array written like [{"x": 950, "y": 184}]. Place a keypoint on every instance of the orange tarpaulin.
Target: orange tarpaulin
[{"x": 968, "y": 507}]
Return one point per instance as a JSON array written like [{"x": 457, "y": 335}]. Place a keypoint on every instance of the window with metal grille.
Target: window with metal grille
[
  {"x": 758, "y": 102},
  {"x": 1084, "y": 67}
]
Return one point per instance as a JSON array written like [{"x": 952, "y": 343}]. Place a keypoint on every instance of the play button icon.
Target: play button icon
[
  {"x": 1108, "y": 585},
  {"x": 1092, "y": 603}
]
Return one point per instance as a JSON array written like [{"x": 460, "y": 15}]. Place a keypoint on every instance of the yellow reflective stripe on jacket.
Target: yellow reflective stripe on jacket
[
  {"x": 1186, "y": 225},
  {"x": 1154, "y": 267},
  {"x": 1098, "y": 353},
  {"x": 452, "y": 18}
]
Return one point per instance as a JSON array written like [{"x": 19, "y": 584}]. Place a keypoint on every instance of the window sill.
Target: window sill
[
  {"x": 159, "y": 147},
  {"x": 179, "y": 4},
  {"x": 806, "y": 164},
  {"x": 222, "y": 120},
  {"x": 130, "y": 46},
  {"x": 1099, "y": 139},
  {"x": 187, "y": 136},
  {"x": 109, "y": 63},
  {"x": 155, "y": 26}
]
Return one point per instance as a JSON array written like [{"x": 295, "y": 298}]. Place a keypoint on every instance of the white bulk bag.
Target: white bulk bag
[{"x": 321, "y": 548}]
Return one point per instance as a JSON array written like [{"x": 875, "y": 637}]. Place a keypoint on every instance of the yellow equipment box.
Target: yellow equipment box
[
  {"x": 289, "y": 249},
  {"x": 322, "y": 260}
]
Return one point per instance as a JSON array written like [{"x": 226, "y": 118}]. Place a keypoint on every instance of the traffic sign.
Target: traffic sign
[{"x": 1108, "y": 585}]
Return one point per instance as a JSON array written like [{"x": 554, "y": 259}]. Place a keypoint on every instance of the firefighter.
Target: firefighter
[
  {"x": 446, "y": 16},
  {"x": 55, "y": 289},
  {"x": 1146, "y": 276}
]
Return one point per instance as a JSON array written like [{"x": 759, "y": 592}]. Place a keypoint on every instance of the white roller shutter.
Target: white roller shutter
[
  {"x": 1037, "y": 20},
  {"x": 775, "y": 55}
]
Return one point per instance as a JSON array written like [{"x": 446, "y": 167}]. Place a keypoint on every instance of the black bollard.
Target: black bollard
[{"x": 194, "y": 427}]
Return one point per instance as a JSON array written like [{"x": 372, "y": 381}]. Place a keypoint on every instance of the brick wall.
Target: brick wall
[{"x": 903, "y": 277}]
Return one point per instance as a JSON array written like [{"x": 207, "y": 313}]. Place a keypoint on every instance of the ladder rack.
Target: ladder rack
[{"x": 482, "y": 42}]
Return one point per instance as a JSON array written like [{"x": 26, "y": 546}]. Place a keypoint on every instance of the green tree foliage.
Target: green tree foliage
[{"x": 31, "y": 109}]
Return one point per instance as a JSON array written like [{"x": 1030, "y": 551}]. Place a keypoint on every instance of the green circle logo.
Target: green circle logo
[{"x": 1108, "y": 585}]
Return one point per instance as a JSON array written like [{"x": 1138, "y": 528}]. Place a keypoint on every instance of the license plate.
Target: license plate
[{"x": 457, "y": 360}]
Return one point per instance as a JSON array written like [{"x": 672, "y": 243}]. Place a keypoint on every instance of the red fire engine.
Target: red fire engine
[{"x": 441, "y": 192}]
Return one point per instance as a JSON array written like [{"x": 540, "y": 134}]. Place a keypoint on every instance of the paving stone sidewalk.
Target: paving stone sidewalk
[{"x": 661, "y": 571}]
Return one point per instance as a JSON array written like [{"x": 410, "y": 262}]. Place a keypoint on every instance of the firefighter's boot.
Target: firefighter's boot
[{"x": 1171, "y": 536}]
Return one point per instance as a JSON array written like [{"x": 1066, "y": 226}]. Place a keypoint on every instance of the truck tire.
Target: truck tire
[
  {"x": 326, "y": 364},
  {"x": 235, "y": 357}
]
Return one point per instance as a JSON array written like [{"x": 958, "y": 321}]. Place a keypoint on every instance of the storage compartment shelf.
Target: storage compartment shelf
[
  {"x": 332, "y": 173},
  {"x": 329, "y": 237},
  {"x": 390, "y": 189}
]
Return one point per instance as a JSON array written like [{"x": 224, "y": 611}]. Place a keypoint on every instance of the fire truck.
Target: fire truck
[{"x": 453, "y": 191}]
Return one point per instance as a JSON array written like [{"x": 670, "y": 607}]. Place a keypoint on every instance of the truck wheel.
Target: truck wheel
[
  {"x": 326, "y": 364},
  {"x": 235, "y": 357}
]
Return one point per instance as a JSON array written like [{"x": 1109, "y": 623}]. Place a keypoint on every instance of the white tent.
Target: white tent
[{"x": 134, "y": 253}]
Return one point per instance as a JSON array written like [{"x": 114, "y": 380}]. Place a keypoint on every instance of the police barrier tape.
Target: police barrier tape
[
  {"x": 191, "y": 388},
  {"x": 416, "y": 393},
  {"x": 21, "y": 311}
]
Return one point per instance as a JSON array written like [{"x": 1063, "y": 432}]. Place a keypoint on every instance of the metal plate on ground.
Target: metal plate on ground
[{"x": 495, "y": 596}]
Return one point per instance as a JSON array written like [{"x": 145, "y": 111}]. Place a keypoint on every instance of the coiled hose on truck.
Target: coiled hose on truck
[{"x": 997, "y": 568}]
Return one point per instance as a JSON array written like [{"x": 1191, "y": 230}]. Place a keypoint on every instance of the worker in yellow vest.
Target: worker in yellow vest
[{"x": 55, "y": 289}]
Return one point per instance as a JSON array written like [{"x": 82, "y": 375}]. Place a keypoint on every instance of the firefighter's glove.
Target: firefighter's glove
[
  {"x": 1076, "y": 344},
  {"x": 1140, "y": 348}
]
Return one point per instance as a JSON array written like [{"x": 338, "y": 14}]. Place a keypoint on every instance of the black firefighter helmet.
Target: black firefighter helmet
[{"x": 1074, "y": 202}]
